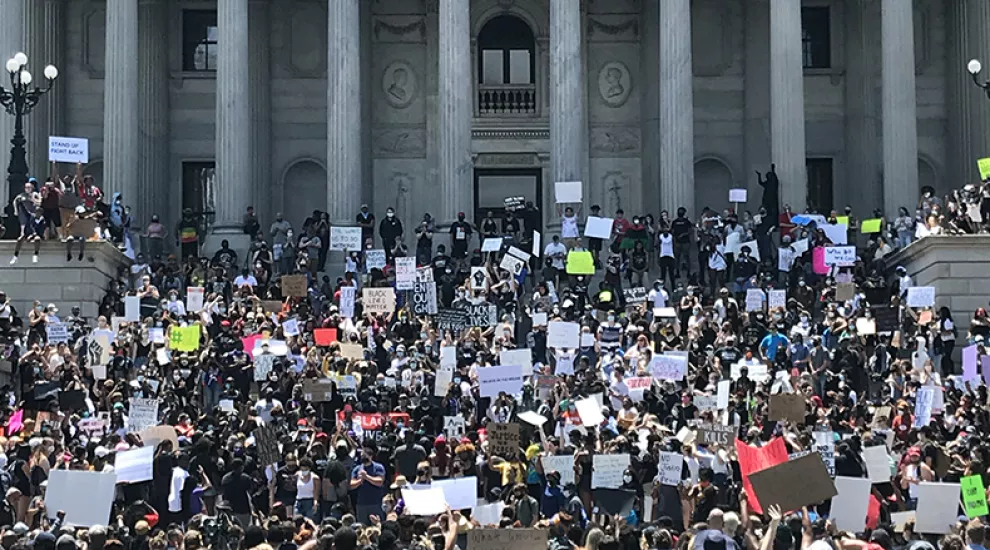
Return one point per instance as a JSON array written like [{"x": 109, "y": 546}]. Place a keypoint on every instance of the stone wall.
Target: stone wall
[{"x": 957, "y": 266}]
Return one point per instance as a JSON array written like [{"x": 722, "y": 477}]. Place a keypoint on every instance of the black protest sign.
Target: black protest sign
[
  {"x": 424, "y": 298},
  {"x": 267, "y": 441},
  {"x": 635, "y": 295},
  {"x": 481, "y": 315},
  {"x": 71, "y": 400},
  {"x": 716, "y": 434},
  {"x": 888, "y": 318},
  {"x": 793, "y": 484},
  {"x": 452, "y": 319}
]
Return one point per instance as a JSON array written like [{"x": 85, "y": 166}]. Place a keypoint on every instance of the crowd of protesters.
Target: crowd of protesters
[{"x": 344, "y": 460}]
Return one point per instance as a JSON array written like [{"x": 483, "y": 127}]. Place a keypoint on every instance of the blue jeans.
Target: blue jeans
[{"x": 304, "y": 507}]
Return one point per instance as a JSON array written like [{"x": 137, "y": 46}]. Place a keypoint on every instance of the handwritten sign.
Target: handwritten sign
[
  {"x": 294, "y": 285},
  {"x": 974, "y": 496},
  {"x": 345, "y": 238},
  {"x": 500, "y": 539},
  {"x": 668, "y": 367},
  {"x": 671, "y": 466},
  {"x": 503, "y": 439},
  {"x": 143, "y": 414},
  {"x": 374, "y": 259},
  {"x": 778, "y": 298},
  {"x": 716, "y": 434},
  {"x": 840, "y": 255},
  {"x": 921, "y": 296},
  {"x": 58, "y": 333},
  {"x": 405, "y": 273},
  {"x": 378, "y": 300},
  {"x": 608, "y": 471}
]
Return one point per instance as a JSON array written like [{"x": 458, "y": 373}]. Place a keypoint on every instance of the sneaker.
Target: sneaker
[
  {"x": 68, "y": 257},
  {"x": 13, "y": 260},
  {"x": 34, "y": 259}
]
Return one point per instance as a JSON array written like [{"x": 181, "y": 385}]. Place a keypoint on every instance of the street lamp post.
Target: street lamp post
[
  {"x": 19, "y": 100},
  {"x": 974, "y": 67}
]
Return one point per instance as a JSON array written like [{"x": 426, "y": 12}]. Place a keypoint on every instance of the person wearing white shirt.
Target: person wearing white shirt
[
  {"x": 665, "y": 242},
  {"x": 569, "y": 227},
  {"x": 557, "y": 252},
  {"x": 174, "y": 305},
  {"x": 658, "y": 295},
  {"x": 180, "y": 474},
  {"x": 618, "y": 388},
  {"x": 245, "y": 279}
]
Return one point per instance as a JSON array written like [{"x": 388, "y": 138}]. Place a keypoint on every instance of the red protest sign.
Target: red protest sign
[
  {"x": 755, "y": 459},
  {"x": 325, "y": 336}
]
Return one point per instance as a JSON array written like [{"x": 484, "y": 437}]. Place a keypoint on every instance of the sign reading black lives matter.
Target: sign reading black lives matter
[{"x": 481, "y": 315}]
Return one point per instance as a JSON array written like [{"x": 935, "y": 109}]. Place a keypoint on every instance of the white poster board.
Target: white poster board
[
  {"x": 132, "y": 309},
  {"x": 777, "y": 298},
  {"x": 738, "y": 195},
  {"x": 669, "y": 367},
  {"x": 345, "y": 238},
  {"x": 849, "y": 507},
  {"x": 520, "y": 357},
  {"x": 500, "y": 378},
  {"x": 194, "y": 298},
  {"x": 562, "y": 334},
  {"x": 937, "y": 505},
  {"x": 405, "y": 272},
  {"x": 347, "y": 294},
  {"x": 598, "y": 228},
  {"x": 840, "y": 255},
  {"x": 85, "y": 497},
  {"x": 135, "y": 465},
  {"x": 567, "y": 191},
  {"x": 70, "y": 150},
  {"x": 921, "y": 296},
  {"x": 563, "y": 464},
  {"x": 877, "y": 463},
  {"x": 671, "y": 465},
  {"x": 838, "y": 233},
  {"x": 143, "y": 414},
  {"x": 608, "y": 471}
]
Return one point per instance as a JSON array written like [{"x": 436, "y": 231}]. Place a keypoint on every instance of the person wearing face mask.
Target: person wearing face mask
[
  {"x": 367, "y": 481},
  {"x": 390, "y": 229},
  {"x": 307, "y": 487},
  {"x": 366, "y": 221},
  {"x": 460, "y": 237}
]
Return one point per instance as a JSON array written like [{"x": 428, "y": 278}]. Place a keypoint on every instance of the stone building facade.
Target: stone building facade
[{"x": 448, "y": 106}]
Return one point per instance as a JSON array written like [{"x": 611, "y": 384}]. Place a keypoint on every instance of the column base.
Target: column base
[{"x": 237, "y": 239}]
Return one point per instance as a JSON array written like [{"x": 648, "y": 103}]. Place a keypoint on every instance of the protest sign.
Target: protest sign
[
  {"x": 840, "y": 255},
  {"x": 500, "y": 378},
  {"x": 428, "y": 501},
  {"x": 716, "y": 434},
  {"x": 448, "y": 357},
  {"x": 85, "y": 497},
  {"x": 195, "y": 296},
  {"x": 68, "y": 149},
  {"x": 503, "y": 439},
  {"x": 424, "y": 298},
  {"x": 294, "y": 285},
  {"x": 512, "y": 264},
  {"x": 598, "y": 228},
  {"x": 521, "y": 357},
  {"x": 290, "y": 327},
  {"x": 442, "y": 380},
  {"x": 866, "y": 327},
  {"x": 671, "y": 466},
  {"x": 537, "y": 238},
  {"x": 492, "y": 244},
  {"x": 98, "y": 350},
  {"x": 487, "y": 514},
  {"x": 850, "y": 503},
  {"x": 637, "y": 386},
  {"x": 567, "y": 191},
  {"x": 143, "y": 414},
  {"x": 93, "y": 427},
  {"x": 58, "y": 333},
  {"x": 562, "y": 334},
  {"x": 921, "y": 296},
  {"x": 738, "y": 195},
  {"x": 937, "y": 505},
  {"x": 479, "y": 278},
  {"x": 635, "y": 295},
  {"x": 460, "y": 493},
  {"x": 777, "y": 298},
  {"x": 723, "y": 394},
  {"x": 787, "y": 406},
  {"x": 378, "y": 300},
  {"x": 970, "y": 358},
  {"x": 134, "y": 466},
  {"x": 590, "y": 411},
  {"x": 754, "y": 299},
  {"x": 580, "y": 262},
  {"x": 668, "y": 367},
  {"x": 184, "y": 338},
  {"x": 793, "y": 484},
  {"x": 974, "y": 496},
  {"x": 539, "y": 319},
  {"x": 887, "y": 318},
  {"x": 324, "y": 336},
  {"x": 755, "y": 459},
  {"x": 532, "y": 418},
  {"x": 608, "y": 470},
  {"x": 132, "y": 309},
  {"x": 347, "y": 296},
  {"x": 924, "y": 402},
  {"x": 877, "y": 463},
  {"x": 454, "y": 427},
  {"x": 867, "y": 227},
  {"x": 156, "y": 434},
  {"x": 405, "y": 272},
  {"x": 562, "y": 464},
  {"x": 481, "y": 315},
  {"x": 824, "y": 445},
  {"x": 374, "y": 259},
  {"x": 451, "y": 319},
  {"x": 984, "y": 167},
  {"x": 267, "y": 441},
  {"x": 317, "y": 390},
  {"x": 706, "y": 402},
  {"x": 263, "y": 364},
  {"x": 837, "y": 233},
  {"x": 345, "y": 238},
  {"x": 501, "y": 539}
]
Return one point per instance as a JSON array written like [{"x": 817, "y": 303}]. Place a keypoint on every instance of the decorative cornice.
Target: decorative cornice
[
  {"x": 400, "y": 30},
  {"x": 517, "y": 133},
  {"x": 595, "y": 25}
]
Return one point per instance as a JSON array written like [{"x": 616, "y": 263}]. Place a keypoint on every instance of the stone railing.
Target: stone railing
[{"x": 507, "y": 99}]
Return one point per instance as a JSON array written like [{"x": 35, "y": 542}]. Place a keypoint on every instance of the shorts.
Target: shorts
[{"x": 53, "y": 216}]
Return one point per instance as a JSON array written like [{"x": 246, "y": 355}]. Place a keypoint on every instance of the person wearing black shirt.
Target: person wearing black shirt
[
  {"x": 390, "y": 229},
  {"x": 236, "y": 490},
  {"x": 705, "y": 495},
  {"x": 510, "y": 225},
  {"x": 681, "y": 228},
  {"x": 366, "y": 221},
  {"x": 225, "y": 256},
  {"x": 408, "y": 455}
]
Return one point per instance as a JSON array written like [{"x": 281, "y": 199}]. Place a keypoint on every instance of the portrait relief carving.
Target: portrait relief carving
[
  {"x": 399, "y": 84},
  {"x": 614, "y": 84}
]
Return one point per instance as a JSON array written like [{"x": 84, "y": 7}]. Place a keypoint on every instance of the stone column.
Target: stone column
[
  {"x": 153, "y": 83},
  {"x": 11, "y": 42},
  {"x": 120, "y": 99},
  {"x": 44, "y": 28},
  {"x": 676, "y": 108},
  {"x": 233, "y": 139},
  {"x": 978, "y": 34},
  {"x": 962, "y": 97},
  {"x": 455, "y": 110},
  {"x": 344, "y": 149},
  {"x": 650, "y": 98},
  {"x": 863, "y": 183},
  {"x": 787, "y": 143},
  {"x": 261, "y": 111},
  {"x": 900, "y": 119},
  {"x": 757, "y": 93},
  {"x": 568, "y": 117}
]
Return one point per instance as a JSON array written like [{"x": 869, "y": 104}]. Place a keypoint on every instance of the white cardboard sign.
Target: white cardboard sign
[{"x": 68, "y": 149}]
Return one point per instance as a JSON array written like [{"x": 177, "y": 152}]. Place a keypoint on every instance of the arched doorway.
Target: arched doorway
[
  {"x": 927, "y": 176},
  {"x": 304, "y": 189},
  {"x": 712, "y": 181},
  {"x": 506, "y": 67}
]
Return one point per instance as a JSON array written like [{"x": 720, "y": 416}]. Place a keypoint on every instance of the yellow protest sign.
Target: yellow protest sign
[
  {"x": 580, "y": 262},
  {"x": 870, "y": 226},
  {"x": 842, "y": 220},
  {"x": 184, "y": 338},
  {"x": 984, "y": 165}
]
